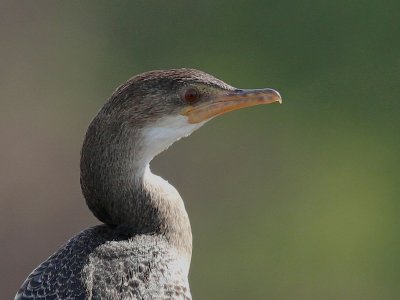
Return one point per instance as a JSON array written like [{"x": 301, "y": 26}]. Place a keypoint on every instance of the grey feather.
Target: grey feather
[{"x": 104, "y": 263}]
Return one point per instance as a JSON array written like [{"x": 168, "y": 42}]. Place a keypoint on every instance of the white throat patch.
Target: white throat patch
[{"x": 164, "y": 133}]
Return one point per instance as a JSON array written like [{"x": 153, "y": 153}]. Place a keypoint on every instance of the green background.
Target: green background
[{"x": 291, "y": 201}]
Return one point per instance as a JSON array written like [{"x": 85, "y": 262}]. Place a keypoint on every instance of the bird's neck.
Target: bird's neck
[{"x": 120, "y": 189}]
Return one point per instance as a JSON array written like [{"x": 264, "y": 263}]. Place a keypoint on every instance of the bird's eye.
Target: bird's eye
[{"x": 191, "y": 95}]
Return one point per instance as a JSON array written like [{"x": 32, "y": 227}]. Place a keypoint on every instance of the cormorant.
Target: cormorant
[{"x": 143, "y": 249}]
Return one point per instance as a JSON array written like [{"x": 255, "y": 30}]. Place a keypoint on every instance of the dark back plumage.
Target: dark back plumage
[{"x": 108, "y": 263}]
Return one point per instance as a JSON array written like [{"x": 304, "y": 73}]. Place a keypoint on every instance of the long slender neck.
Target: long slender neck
[{"x": 120, "y": 189}]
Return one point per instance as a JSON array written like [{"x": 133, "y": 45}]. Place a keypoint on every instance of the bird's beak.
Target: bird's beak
[{"x": 226, "y": 102}]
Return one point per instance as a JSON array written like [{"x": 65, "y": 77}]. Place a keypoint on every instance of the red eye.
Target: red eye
[{"x": 191, "y": 95}]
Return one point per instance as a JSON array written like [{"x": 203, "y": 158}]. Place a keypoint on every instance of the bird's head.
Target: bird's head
[
  {"x": 143, "y": 117},
  {"x": 167, "y": 105}
]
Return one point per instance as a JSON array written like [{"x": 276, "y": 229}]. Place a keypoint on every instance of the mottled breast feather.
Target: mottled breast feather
[{"x": 104, "y": 263}]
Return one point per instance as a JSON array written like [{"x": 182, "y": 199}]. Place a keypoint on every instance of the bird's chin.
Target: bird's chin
[
  {"x": 160, "y": 135},
  {"x": 223, "y": 103}
]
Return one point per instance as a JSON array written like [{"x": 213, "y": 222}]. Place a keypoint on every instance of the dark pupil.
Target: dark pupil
[{"x": 191, "y": 95}]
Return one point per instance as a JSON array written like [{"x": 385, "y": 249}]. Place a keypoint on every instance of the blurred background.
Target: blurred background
[{"x": 291, "y": 201}]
